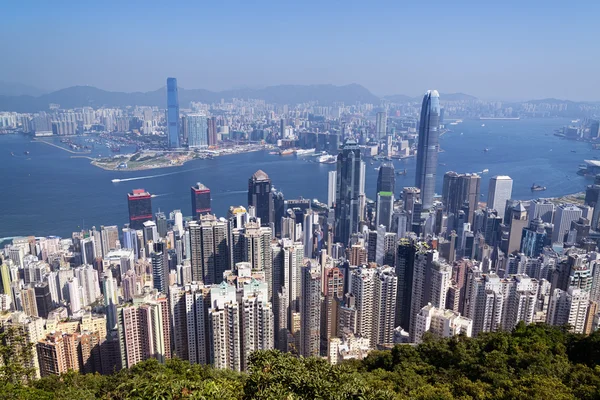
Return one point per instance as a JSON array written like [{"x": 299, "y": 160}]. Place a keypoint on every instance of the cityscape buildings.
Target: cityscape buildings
[
  {"x": 427, "y": 151},
  {"x": 173, "y": 121}
]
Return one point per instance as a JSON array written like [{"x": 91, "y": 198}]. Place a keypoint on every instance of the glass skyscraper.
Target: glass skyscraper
[
  {"x": 427, "y": 150},
  {"x": 172, "y": 113},
  {"x": 197, "y": 130},
  {"x": 349, "y": 187}
]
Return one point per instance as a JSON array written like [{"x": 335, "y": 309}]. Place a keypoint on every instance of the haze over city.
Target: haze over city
[{"x": 509, "y": 50}]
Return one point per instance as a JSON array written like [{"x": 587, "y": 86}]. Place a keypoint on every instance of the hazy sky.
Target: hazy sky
[{"x": 491, "y": 49}]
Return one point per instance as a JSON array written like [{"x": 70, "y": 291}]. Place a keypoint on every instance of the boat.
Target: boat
[
  {"x": 12, "y": 153},
  {"x": 486, "y": 150},
  {"x": 115, "y": 180},
  {"x": 482, "y": 125},
  {"x": 286, "y": 152},
  {"x": 443, "y": 164},
  {"x": 26, "y": 153},
  {"x": 402, "y": 173},
  {"x": 573, "y": 151},
  {"x": 327, "y": 159},
  {"x": 537, "y": 188},
  {"x": 302, "y": 152},
  {"x": 453, "y": 123},
  {"x": 485, "y": 171}
]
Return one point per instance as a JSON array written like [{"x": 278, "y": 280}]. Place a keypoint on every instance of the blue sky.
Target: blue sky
[{"x": 491, "y": 49}]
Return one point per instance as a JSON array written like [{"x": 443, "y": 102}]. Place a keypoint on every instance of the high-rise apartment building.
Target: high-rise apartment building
[
  {"x": 310, "y": 311},
  {"x": 442, "y": 323},
  {"x": 209, "y": 249},
  {"x": 197, "y": 130}
]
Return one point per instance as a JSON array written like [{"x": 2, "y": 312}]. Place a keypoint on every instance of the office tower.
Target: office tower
[
  {"x": 386, "y": 182},
  {"x": 428, "y": 146},
  {"x": 499, "y": 192},
  {"x": 197, "y": 130},
  {"x": 43, "y": 299},
  {"x": 173, "y": 121},
  {"x": 28, "y": 301},
  {"x": 161, "y": 224},
  {"x": 425, "y": 260},
  {"x": 279, "y": 210},
  {"x": 533, "y": 238},
  {"x": 259, "y": 197},
  {"x": 569, "y": 307},
  {"x": 282, "y": 128},
  {"x": 518, "y": 221},
  {"x": 460, "y": 189},
  {"x": 441, "y": 323},
  {"x": 200, "y": 200},
  {"x": 225, "y": 335},
  {"x": 405, "y": 259},
  {"x": 109, "y": 238},
  {"x": 310, "y": 311},
  {"x": 212, "y": 131},
  {"x": 543, "y": 209},
  {"x": 109, "y": 290},
  {"x": 381, "y": 125},
  {"x": 565, "y": 214},
  {"x": 140, "y": 208},
  {"x": 209, "y": 247},
  {"x": 257, "y": 320},
  {"x": 160, "y": 268},
  {"x": 308, "y": 231},
  {"x": 348, "y": 190},
  {"x": 150, "y": 232},
  {"x": 331, "y": 185}
]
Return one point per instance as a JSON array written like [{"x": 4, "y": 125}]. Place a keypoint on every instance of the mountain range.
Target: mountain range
[{"x": 22, "y": 98}]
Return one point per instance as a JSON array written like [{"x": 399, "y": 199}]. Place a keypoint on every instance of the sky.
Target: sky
[{"x": 510, "y": 50}]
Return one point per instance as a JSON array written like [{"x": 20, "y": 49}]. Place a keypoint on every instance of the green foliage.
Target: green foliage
[{"x": 532, "y": 362}]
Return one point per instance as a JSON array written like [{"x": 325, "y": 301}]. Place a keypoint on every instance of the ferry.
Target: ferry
[
  {"x": 482, "y": 125},
  {"x": 401, "y": 173},
  {"x": 327, "y": 159},
  {"x": 286, "y": 152},
  {"x": 486, "y": 150},
  {"x": 26, "y": 153},
  {"x": 302, "y": 152},
  {"x": 115, "y": 180},
  {"x": 485, "y": 171},
  {"x": 537, "y": 188}
]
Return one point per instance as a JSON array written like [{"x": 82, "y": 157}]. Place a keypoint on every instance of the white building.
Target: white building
[
  {"x": 348, "y": 347},
  {"x": 442, "y": 323},
  {"x": 500, "y": 190},
  {"x": 565, "y": 214},
  {"x": 569, "y": 307}
]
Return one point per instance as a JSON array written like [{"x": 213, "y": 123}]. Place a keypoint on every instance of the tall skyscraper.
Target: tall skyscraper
[
  {"x": 209, "y": 247},
  {"x": 331, "y": 184},
  {"x": 200, "y": 200},
  {"x": 499, "y": 192},
  {"x": 257, "y": 320},
  {"x": 428, "y": 146},
  {"x": 140, "y": 208},
  {"x": 386, "y": 185},
  {"x": 259, "y": 196},
  {"x": 565, "y": 214},
  {"x": 197, "y": 130},
  {"x": 212, "y": 131},
  {"x": 349, "y": 188},
  {"x": 381, "y": 125},
  {"x": 172, "y": 113}
]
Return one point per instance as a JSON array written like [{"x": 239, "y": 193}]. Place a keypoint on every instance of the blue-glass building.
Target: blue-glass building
[
  {"x": 533, "y": 238},
  {"x": 172, "y": 113},
  {"x": 197, "y": 130},
  {"x": 427, "y": 149}
]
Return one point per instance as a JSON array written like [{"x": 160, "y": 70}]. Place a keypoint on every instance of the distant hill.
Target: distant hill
[
  {"x": 19, "y": 89},
  {"x": 402, "y": 98},
  {"x": 79, "y": 96}
]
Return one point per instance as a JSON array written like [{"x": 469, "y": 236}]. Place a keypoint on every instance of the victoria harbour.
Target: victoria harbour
[{"x": 52, "y": 193}]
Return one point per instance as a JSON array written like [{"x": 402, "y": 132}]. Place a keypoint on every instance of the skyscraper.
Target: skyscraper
[
  {"x": 259, "y": 196},
  {"x": 427, "y": 150},
  {"x": 499, "y": 192},
  {"x": 209, "y": 246},
  {"x": 565, "y": 214},
  {"x": 140, "y": 208},
  {"x": 386, "y": 183},
  {"x": 212, "y": 131},
  {"x": 197, "y": 130},
  {"x": 461, "y": 189},
  {"x": 331, "y": 184},
  {"x": 348, "y": 190},
  {"x": 200, "y": 200},
  {"x": 381, "y": 125},
  {"x": 310, "y": 311},
  {"x": 172, "y": 113}
]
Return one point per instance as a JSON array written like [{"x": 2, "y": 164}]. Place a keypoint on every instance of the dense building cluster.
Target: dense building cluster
[{"x": 334, "y": 280}]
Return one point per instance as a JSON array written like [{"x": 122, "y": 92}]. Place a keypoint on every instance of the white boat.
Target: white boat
[
  {"x": 485, "y": 171},
  {"x": 327, "y": 159},
  {"x": 302, "y": 152},
  {"x": 482, "y": 124},
  {"x": 116, "y": 180}
]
